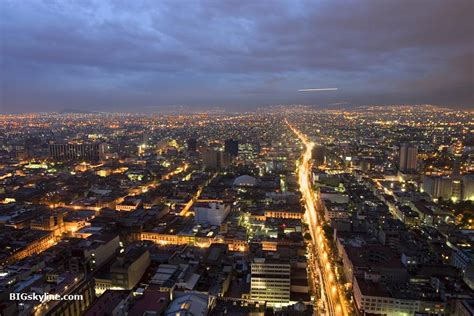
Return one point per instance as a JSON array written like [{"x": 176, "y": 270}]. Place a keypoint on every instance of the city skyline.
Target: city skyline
[
  {"x": 289, "y": 211},
  {"x": 236, "y": 157},
  {"x": 146, "y": 56}
]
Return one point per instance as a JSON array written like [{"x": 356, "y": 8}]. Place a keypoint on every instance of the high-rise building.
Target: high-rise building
[
  {"x": 456, "y": 189},
  {"x": 192, "y": 144},
  {"x": 231, "y": 147},
  {"x": 319, "y": 155},
  {"x": 270, "y": 281},
  {"x": 408, "y": 158},
  {"x": 457, "y": 151},
  {"x": 79, "y": 151},
  {"x": 468, "y": 187},
  {"x": 129, "y": 267},
  {"x": 248, "y": 151},
  {"x": 215, "y": 159},
  {"x": 438, "y": 187},
  {"x": 21, "y": 152},
  {"x": 210, "y": 158},
  {"x": 224, "y": 159}
]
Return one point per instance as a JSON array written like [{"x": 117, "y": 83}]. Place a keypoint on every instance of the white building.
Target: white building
[{"x": 211, "y": 212}]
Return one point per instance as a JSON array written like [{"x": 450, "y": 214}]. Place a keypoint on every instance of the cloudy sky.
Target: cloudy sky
[{"x": 124, "y": 55}]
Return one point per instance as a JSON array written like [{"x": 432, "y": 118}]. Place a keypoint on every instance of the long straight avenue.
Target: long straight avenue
[{"x": 332, "y": 295}]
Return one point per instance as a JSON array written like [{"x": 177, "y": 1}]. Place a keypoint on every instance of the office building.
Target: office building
[
  {"x": 456, "y": 189},
  {"x": 84, "y": 151},
  {"x": 468, "y": 187},
  {"x": 128, "y": 269},
  {"x": 319, "y": 155},
  {"x": 270, "y": 281},
  {"x": 125, "y": 272},
  {"x": 408, "y": 158},
  {"x": 231, "y": 147},
  {"x": 21, "y": 152},
  {"x": 91, "y": 253},
  {"x": 210, "y": 159},
  {"x": 438, "y": 187},
  {"x": 216, "y": 159},
  {"x": 457, "y": 151},
  {"x": 248, "y": 151}
]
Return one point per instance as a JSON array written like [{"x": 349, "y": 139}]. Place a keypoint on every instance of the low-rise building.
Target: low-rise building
[
  {"x": 374, "y": 297},
  {"x": 211, "y": 212}
]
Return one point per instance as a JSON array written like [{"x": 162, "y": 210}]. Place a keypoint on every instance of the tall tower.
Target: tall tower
[
  {"x": 408, "y": 158},
  {"x": 231, "y": 147},
  {"x": 457, "y": 150}
]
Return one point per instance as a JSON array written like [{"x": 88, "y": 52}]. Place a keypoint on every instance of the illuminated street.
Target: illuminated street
[{"x": 331, "y": 293}]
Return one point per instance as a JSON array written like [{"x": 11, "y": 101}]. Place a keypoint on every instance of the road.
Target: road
[
  {"x": 332, "y": 295},
  {"x": 187, "y": 207}
]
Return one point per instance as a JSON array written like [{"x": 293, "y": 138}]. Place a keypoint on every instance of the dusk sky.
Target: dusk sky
[{"x": 142, "y": 55}]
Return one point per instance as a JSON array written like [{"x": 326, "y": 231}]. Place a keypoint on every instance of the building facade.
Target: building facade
[
  {"x": 84, "y": 151},
  {"x": 408, "y": 158},
  {"x": 211, "y": 212},
  {"x": 231, "y": 147},
  {"x": 270, "y": 282}
]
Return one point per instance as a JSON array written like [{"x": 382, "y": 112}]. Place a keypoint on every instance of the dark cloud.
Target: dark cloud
[{"x": 133, "y": 55}]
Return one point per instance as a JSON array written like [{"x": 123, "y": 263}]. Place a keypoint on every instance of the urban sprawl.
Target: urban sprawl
[{"x": 288, "y": 210}]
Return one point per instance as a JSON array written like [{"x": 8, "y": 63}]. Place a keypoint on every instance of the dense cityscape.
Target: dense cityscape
[
  {"x": 236, "y": 158},
  {"x": 287, "y": 210}
]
